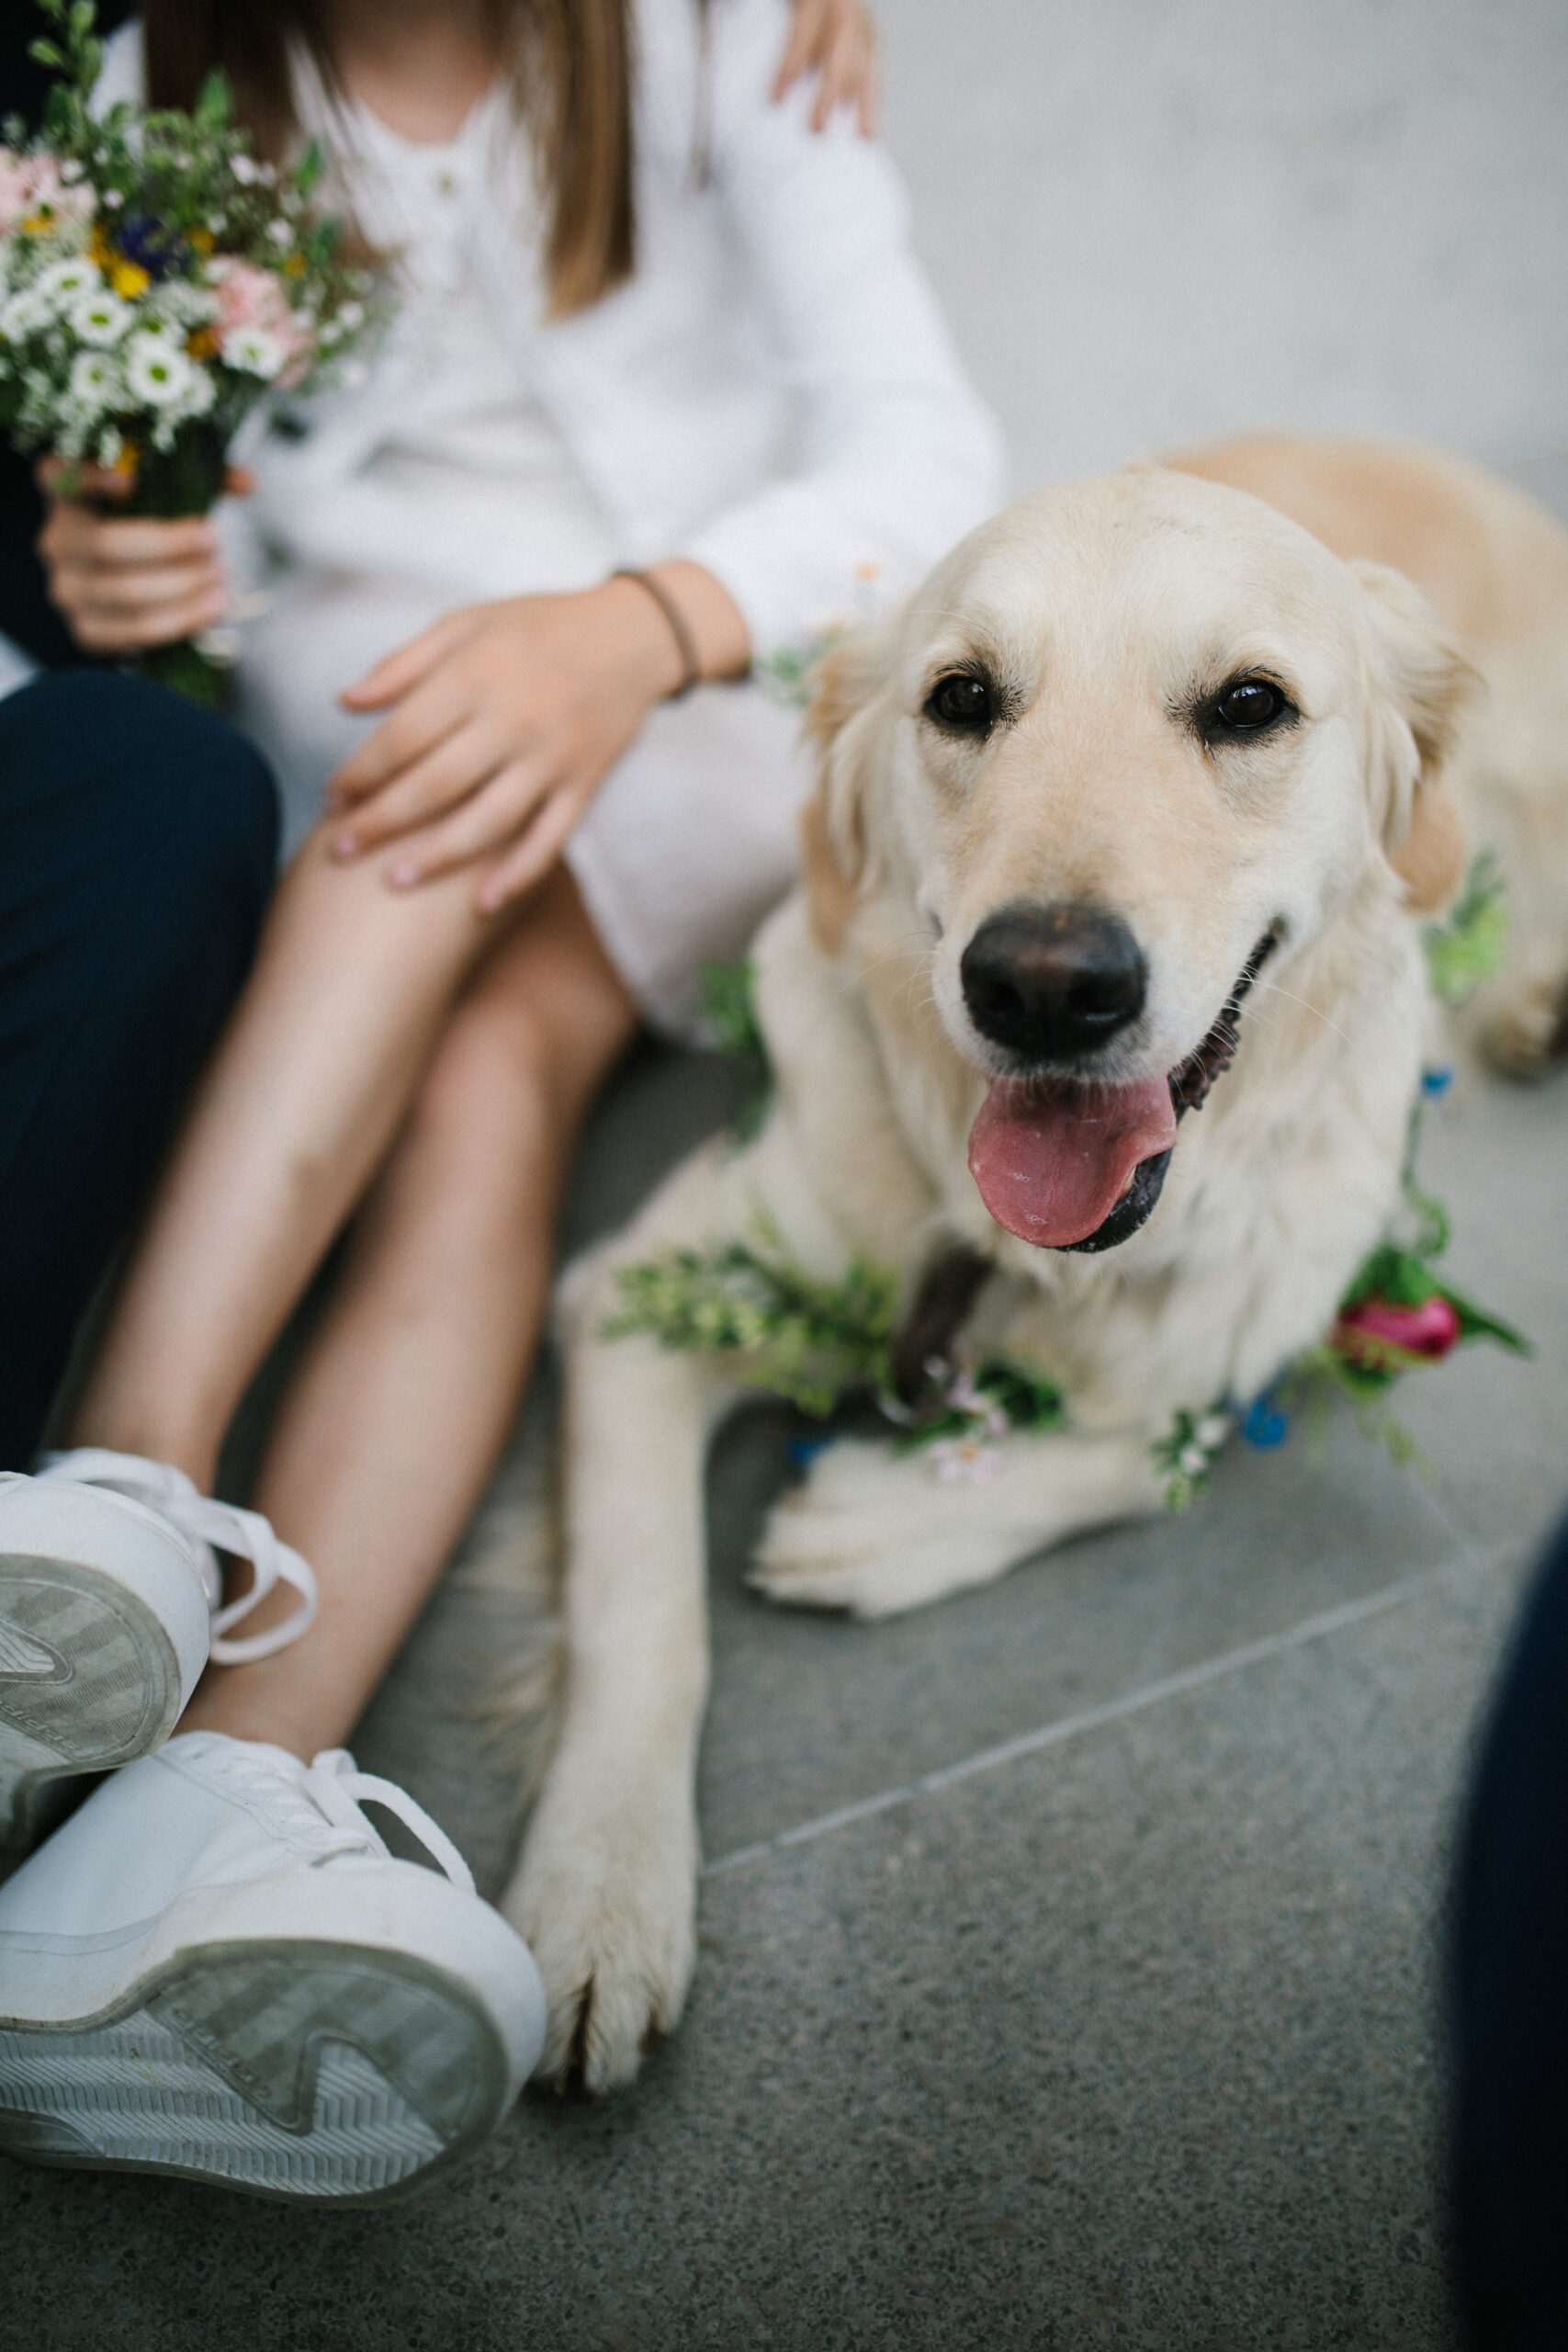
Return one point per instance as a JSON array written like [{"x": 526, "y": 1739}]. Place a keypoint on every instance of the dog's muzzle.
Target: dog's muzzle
[{"x": 1066, "y": 1163}]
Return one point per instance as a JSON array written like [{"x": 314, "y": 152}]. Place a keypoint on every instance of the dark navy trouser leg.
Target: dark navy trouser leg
[
  {"x": 138, "y": 838},
  {"x": 1509, "y": 1996}
]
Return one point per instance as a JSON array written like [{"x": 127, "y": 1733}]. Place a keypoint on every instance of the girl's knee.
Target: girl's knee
[
  {"x": 526, "y": 1048},
  {"x": 490, "y": 1076}
]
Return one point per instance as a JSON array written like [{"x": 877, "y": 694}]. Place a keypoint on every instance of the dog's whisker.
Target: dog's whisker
[{"x": 1316, "y": 1010}]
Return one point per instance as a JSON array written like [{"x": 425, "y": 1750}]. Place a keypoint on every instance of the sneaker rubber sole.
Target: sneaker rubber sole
[
  {"x": 316, "y": 2072},
  {"x": 89, "y": 1679}
]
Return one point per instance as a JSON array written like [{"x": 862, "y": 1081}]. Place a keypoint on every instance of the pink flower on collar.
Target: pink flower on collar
[{"x": 1367, "y": 1331}]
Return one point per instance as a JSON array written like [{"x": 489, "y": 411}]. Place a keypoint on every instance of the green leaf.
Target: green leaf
[
  {"x": 729, "y": 1014},
  {"x": 309, "y": 169},
  {"x": 1476, "y": 1324},
  {"x": 785, "y": 675},
  {"x": 1402, "y": 1276},
  {"x": 776, "y": 1327},
  {"x": 215, "y": 106},
  {"x": 1471, "y": 945}
]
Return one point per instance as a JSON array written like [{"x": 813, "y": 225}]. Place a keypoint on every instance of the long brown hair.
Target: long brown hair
[{"x": 572, "y": 68}]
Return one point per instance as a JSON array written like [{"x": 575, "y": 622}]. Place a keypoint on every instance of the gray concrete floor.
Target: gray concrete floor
[{"x": 1127, "y": 2039}]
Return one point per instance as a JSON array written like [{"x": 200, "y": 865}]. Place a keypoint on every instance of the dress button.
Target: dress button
[{"x": 445, "y": 183}]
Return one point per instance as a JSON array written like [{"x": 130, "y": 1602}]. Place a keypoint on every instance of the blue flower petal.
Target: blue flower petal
[{"x": 1265, "y": 1426}]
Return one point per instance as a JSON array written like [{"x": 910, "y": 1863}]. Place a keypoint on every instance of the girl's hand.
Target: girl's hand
[
  {"x": 125, "y": 583},
  {"x": 838, "y": 38},
  {"x": 508, "y": 718}
]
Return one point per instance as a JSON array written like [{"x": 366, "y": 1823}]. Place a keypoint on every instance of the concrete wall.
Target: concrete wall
[{"x": 1154, "y": 221}]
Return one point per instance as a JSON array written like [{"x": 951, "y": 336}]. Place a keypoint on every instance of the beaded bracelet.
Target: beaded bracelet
[{"x": 692, "y": 669}]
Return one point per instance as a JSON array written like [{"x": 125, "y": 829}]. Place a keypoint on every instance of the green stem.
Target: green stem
[
  {"x": 186, "y": 480},
  {"x": 170, "y": 484}
]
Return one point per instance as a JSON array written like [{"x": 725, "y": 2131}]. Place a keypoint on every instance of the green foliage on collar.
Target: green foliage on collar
[
  {"x": 1400, "y": 1272},
  {"x": 775, "y": 1325},
  {"x": 729, "y": 1016},
  {"x": 1470, "y": 943},
  {"x": 777, "y": 1328}
]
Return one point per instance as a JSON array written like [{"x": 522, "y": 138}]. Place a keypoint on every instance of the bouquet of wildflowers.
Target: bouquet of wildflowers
[{"x": 156, "y": 282}]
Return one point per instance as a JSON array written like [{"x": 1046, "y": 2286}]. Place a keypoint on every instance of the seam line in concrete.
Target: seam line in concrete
[{"x": 1110, "y": 1711}]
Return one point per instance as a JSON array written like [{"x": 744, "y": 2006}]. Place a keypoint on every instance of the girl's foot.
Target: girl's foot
[
  {"x": 110, "y": 1606},
  {"x": 217, "y": 1969}
]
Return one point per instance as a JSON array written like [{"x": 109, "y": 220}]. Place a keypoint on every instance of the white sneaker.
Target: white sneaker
[
  {"x": 110, "y": 1605},
  {"x": 216, "y": 1968}
]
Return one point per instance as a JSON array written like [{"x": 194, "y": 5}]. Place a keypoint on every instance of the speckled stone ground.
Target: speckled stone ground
[{"x": 1129, "y": 2039}]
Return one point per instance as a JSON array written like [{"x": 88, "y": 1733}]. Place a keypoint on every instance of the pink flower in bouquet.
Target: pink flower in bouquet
[
  {"x": 1367, "y": 1331},
  {"x": 257, "y": 327},
  {"x": 31, "y": 186}
]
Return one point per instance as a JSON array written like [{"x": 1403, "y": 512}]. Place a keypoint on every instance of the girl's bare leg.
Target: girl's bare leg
[
  {"x": 350, "y": 990},
  {"x": 403, "y": 1402}
]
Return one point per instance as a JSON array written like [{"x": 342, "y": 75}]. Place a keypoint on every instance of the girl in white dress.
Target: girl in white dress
[{"x": 668, "y": 393}]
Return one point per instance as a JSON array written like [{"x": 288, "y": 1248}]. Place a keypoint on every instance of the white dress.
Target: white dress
[
  {"x": 772, "y": 395},
  {"x": 470, "y": 493}
]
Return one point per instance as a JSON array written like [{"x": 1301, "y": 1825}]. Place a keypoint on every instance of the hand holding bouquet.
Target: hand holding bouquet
[{"x": 155, "y": 283}]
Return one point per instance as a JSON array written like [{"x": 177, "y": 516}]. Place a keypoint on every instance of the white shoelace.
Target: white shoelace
[
  {"x": 337, "y": 1786},
  {"x": 208, "y": 1524},
  {"x": 329, "y": 1790}
]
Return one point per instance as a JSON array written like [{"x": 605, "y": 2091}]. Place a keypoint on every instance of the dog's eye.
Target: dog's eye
[
  {"x": 1246, "y": 708},
  {"x": 962, "y": 703}
]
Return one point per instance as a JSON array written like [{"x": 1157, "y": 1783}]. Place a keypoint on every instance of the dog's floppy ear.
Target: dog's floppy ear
[
  {"x": 1421, "y": 686},
  {"x": 832, "y": 826}
]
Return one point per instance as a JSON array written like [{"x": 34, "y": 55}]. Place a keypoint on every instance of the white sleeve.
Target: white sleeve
[
  {"x": 123, "y": 77},
  {"x": 897, "y": 457}
]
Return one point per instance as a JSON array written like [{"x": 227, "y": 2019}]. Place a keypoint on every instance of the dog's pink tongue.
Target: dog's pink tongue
[{"x": 1051, "y": 1160}]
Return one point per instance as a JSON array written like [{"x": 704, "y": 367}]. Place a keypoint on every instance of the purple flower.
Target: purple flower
[{"x": 145, "y": 240}]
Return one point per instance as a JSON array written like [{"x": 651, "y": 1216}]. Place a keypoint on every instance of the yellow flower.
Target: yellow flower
[
  {"x": 201, "y": 343},
  {"x": 128, "y": 279},
  {"x": 100, "y": 250},
  {"x": 38, "y": 222},
  {"x": 202, "y": 239},
  {"x": 129, "y": 454},
  {"x": 295, "y": 265}
]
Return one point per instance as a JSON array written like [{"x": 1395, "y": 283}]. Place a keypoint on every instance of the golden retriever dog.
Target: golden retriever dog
[{"x": 1105, "y": 974}]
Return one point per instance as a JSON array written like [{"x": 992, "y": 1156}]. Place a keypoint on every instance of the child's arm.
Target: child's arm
[{"x": 837, "y": 39}]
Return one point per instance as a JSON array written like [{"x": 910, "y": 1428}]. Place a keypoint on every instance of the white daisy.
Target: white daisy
[
  {"x": 159, "y": 374},
  {"x": 94, "y": 381},
  {"x": 64, "y": 282},
  {"x": 254, "y": 350},
  {"x": 100, "y": 317},
  {"x": 23, "y": 315}
]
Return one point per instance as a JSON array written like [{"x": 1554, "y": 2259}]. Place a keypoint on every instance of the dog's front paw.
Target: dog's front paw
[
  {"x": 604, "y": 1898},
  {"x": 874, "y": 1531}
]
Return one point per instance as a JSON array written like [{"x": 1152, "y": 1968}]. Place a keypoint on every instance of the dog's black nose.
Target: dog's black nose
[{"x": 1051, "y": 984}]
